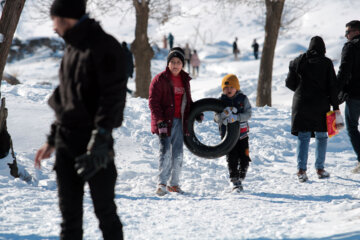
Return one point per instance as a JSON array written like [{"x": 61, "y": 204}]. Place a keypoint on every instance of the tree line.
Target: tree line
[{"x": 143, "y": 53}]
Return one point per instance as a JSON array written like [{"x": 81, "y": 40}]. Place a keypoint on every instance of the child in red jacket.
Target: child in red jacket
[{"x": 169, "y": 102}]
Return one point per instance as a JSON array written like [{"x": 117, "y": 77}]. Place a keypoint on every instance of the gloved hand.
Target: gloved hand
[
  {"x": 229, "y": 115},
  {"x": 99, "y": 154},
  {"x": 199, "y": 118},
  {"x": 343, "y": 96},
  {"x": 225, "y": 113},
  {"x": 162, "y": 126},
  {"x": 232, "y": 118}
]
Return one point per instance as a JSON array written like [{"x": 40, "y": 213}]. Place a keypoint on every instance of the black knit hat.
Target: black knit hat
[
  {"x": 176, "y": 52},
  {"x": 68, "y": 8}
]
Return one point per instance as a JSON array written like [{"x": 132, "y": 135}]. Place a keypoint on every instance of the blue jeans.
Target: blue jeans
[
  {"x": 303, "y": 148},
  {"x": 352, "y": 114},
  {"x": 171, "y": 155}
]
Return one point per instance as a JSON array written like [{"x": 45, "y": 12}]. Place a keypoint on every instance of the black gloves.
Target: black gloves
[
  {"x": 99, "y": 154},
  {"x": 162, "y": 126},
  {"x": 199, "y": 118},
  {"x": 343, "y": 96}
]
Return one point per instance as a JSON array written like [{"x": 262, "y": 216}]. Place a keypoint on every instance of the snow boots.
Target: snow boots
[
  {"x": 356, "y": 169},
  {"x": 161, "y": 190},
  {"x": 322, "y": 173},
  {"x": 237, "y": 186},
  {"x": 302, "y": 175},
  {"x": 176, "y": 189}
]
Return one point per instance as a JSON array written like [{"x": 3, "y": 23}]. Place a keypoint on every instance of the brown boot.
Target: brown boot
[
  {"x": 322, "y": 173},
  {"x": 176, "y": 189},
  {"x": 302, "y": 175},
  {"x": 161, "y": 190}
]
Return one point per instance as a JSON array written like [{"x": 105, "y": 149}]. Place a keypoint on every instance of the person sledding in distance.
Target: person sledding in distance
[
  {"x": 238, "y": 108},
  {"x": 170, "y": 102}
]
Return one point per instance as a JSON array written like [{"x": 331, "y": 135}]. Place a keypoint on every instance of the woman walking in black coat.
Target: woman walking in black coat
[{"x": 312, "y": 77}]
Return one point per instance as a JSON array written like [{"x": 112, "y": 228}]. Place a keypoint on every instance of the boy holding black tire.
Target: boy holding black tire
[{"x": 238, "y": 108}]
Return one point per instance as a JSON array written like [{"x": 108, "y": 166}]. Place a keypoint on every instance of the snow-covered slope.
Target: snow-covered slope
[{"x": 274, "y": 204}]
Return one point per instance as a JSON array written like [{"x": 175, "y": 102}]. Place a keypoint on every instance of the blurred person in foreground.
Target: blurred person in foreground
[
  {"x": 88, "y": 105},
  {"x": 349, "y": 81}
]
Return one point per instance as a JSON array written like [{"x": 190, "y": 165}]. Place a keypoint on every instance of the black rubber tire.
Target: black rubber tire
[{"x": 228, "y": 142}]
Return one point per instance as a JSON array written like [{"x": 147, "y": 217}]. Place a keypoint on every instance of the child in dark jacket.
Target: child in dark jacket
[{"x": 238, "y": 108}]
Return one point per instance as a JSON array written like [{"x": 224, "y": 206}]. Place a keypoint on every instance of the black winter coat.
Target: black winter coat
[
  {"x": 349, "y": 70},
  {"x": 312, "y": 77},
  {"x": 129, "y": 62},
  {"x": 92, "y": 77}
]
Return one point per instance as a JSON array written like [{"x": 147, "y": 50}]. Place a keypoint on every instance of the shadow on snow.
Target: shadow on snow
[
  {"x": 6, "y": 236},
  {"x": 323, "y": 198},
  {"x": 341, "y": 236}
]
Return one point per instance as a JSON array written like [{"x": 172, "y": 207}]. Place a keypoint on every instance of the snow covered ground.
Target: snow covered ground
[{"x": 274, "y": 204}]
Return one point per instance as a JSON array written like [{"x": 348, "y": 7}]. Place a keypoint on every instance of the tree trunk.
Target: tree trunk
[
  {"x": 8, "y": 23},
  {"x": 4, "y": 135},
  {"x": 142, "y": 50},
  {"x": 274, "y": 10}
]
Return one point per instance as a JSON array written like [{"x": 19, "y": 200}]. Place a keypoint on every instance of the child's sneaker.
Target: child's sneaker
[
  {"x": 237, "y": 186},
  {"x": 161, "y": 190},
  {"x": 356, "y": 169},
  {"x": 322, "y": 173},
  {"x": 302, "y": 175},
  {"x": 242, "y": 172},
  {"x": 176, "y": 189}
]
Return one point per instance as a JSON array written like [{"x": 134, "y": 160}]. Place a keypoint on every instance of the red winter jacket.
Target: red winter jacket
[{"x": 162, "y": 103}]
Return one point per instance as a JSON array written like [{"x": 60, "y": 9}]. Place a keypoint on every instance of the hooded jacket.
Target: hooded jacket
[{"x": 312, "y": 77}]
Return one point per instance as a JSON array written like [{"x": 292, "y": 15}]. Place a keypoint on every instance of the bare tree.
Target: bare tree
[
  {"x": 160, "y": 10},
  {"x": 141, "y": 49},
  {"x": 274, "y": 9},
  {"x": 279, "y": 17},
  {"x": 8, "y": 23}
]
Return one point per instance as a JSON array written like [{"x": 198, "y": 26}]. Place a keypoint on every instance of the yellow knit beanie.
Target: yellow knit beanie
[{"x": 230, "y": 80}]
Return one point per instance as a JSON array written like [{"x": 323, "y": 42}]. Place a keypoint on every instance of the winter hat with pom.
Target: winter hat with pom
[
  {"x": 230, "y": 80},
  {"x": 68, "y": 8},
  {"x": 176, "y": 52}
]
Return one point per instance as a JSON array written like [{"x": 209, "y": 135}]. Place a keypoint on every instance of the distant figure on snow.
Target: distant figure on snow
[
  {"x": 187, "y": 52},
  {"x": 255, "y": 46},
  {"x": 171, "y": 40},
  {"x": 129, "y": 64},
  {"x": 312, "y": 77},
  {"x": 164, "y": 42},
  {"x": 195, "y": 63},
  {"x": 236, "y": 50}
]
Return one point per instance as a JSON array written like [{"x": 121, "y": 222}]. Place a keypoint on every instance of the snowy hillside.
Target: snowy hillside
[{"x": 274, "y": 205}]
